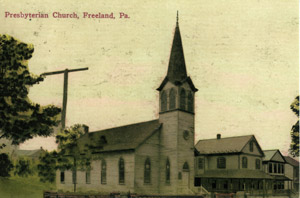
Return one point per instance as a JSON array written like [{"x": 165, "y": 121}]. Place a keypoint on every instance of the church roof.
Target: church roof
[
  {"x": 223, "y": 145},
  {"x": 177, "y": 73},
  {"x": 177, "y": 69},
  {"x": 127, "y": 137}
]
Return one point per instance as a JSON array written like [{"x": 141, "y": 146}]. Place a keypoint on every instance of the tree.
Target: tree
[
  {"x": 5, "y": 165},
  {"x": 23, "y": 168},
  {"x": 20, "y": 118},
  {"x": 67, "y": 157},
  {"x": 294, "y": 146}
]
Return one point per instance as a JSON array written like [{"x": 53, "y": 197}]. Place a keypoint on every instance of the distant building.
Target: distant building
[
  {"x": 291, "y": 172},
  {"x": 32, "y": 155}
]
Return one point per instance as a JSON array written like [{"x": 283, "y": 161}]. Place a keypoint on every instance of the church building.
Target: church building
[{"x": 153, "y": 157}]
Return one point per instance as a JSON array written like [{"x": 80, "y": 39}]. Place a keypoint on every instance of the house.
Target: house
[
  {"x": 274, "y": 165},
  {"x": 291, "y": 168},
  {"x": 230, "y": 164},
  {"x": 32, "y": 155},
  {"x": 153, "y": 157}
]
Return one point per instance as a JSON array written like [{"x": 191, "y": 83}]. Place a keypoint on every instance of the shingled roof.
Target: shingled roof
[
  {"x": 177, "y": 73},
  {"x": 127, "y": 137},
  {"x": 223, "y": 145},
  {"x": 291, "y": 161}
]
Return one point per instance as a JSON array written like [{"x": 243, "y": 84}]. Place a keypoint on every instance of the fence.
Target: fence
[{"x": 49, "y": 194}]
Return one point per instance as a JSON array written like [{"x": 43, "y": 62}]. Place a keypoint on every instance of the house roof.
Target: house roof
[
  {"x": 223, "y": 145},
  {"x": 27, "y": 152},
  {"x": 240, "y": 173},
  {"x": 269, "y": 154},
  {"x": 291, "y": 161},
  {"x": 120, "y": 138}
]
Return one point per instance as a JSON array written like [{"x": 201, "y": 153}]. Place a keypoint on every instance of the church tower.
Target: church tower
[{"x": 176, "y": 113}]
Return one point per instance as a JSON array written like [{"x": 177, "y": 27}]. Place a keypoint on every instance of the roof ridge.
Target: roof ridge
[
  {"x": 226, "y": 137},
  {"x": 138, "y": 123}
]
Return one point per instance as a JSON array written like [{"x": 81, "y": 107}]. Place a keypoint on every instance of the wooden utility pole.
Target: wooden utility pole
[{"x": 65, "y": 91}]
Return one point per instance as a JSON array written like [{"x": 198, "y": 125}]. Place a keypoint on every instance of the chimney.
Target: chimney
[
  {"x": 218, "y": 136},
  {"x": 85, "y": 128}
]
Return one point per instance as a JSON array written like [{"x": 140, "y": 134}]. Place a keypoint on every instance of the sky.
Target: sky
[{"x": 242, "y": 55}]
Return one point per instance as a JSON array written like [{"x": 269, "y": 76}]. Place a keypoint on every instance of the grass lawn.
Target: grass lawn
[{"x": 19, "y": 187}]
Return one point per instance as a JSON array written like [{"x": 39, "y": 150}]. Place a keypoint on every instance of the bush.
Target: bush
[{"x": 5, "y": 165}]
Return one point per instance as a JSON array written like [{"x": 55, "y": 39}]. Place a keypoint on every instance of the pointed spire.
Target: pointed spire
[
  {"x": 177, "y": 69},
  {"x": 177, "y": 18}
]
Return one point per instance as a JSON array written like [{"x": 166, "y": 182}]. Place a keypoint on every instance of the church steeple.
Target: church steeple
[
  {"x": 177, "y": 73},
  {"x": 177, "y": 69}
]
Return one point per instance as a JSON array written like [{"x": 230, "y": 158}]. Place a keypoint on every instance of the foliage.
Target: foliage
[
  {"x": 294, "y": 146},
  {"x": 47, "y": 167},
  {"x": 5, "y": 165},
  {"x": 21, "y": 119},
  {"x": 67, "y": 157},
  {"x": 23, "y": 168}
]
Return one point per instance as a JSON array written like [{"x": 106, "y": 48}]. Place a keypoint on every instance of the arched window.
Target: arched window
[
  {"x": 103, "y": 172},
  {"x": 163, "y": 103},
  {"x": 147, "y": 172},
  {"x": 257, "y": 164},
  {"x": 190, "y": 102},
  {"x": 186, "y": 167},
  {"x": 221, "y": 162},
  {"x": 182, "y": 99},
  {"x": 88, "y": 176},
  {"x": 172, "y": 104},
  {"x": 62, "y": 177},
  {"x": 244, "y": 162},
  {"x": 168, "y": 172},
  {"x": 121, "y": 171}
]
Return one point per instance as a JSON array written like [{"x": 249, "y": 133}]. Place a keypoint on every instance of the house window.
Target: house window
[
  {"x": 257, "y": 164},
  {"x": 251, "y": 146},
  {"x": 200, "y": 163},
  {"x": 103, "y": 172},
  {"x": 172, "y": 104},
  {"x": 74, "y": 176},
  {"x": 279, "y": 168},
  {"x": 163, "y": 101},
  {"x": 182, "y": 99},
  {"x": 275, "y": 168},
  {"x": 190, "y": 102},
  {"x": 221, "y": 162},
  {"x": 185, "y": 167},
  {"x": 214, "y": 184},
  {"x": 62, "y": 177},
  {"x": 282, "y": 169},
  {"x": 147, "y": 172},
  {"x": 88, "y": 177},
  {"x": 244, "y": 162},
  {"x": 121, "y": 171},
  {"x": 270, "y": 168},
  {"x": 168, "y": 171}
]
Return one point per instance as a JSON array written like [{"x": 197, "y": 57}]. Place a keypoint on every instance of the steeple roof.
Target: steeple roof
[{"x": 177, "y": 69}]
